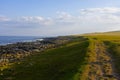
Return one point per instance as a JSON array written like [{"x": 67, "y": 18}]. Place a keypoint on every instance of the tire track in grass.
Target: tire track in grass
[{"x": 101, "y": 68}]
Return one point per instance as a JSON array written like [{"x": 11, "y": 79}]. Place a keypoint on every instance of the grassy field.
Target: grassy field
[
  {"x": 115, "y": 35},
  {"x": 63, "y": 63},
  {"x": 112, "y": 43},
  {"x": 114, "y": 49},
  {"x": 76, "y": 60}
]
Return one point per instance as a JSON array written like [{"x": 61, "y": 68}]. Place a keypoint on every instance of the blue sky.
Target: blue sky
[{"x": 58, "y": 17}]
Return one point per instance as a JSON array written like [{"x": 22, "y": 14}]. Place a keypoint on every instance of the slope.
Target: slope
[{"x": 55, "y": 64}]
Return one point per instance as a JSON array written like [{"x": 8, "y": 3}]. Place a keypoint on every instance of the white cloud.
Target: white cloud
[
  {"x": 36, "y": 20},
  {"x": 3, "y": 18},
  {"x": 101, "y": 15},
  {"x": 100, "y": 10},
  {"x": 64, "y": 16},
  {"x": 89, "y": 20},
  {"x": 32, "y": 18},
  {"x": 107, "y": 15}
]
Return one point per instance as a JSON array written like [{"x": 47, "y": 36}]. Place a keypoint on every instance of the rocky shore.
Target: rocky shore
[{"x": 15, "y": 52}]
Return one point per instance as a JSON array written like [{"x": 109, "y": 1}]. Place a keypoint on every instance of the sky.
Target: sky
[{"x": 58, "y": 17}]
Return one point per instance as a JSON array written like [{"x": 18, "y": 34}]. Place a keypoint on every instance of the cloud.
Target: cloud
[
  {"x": 36, "y": 20},
  {"x": 64, "y": 16},
  {"x": 101, "y": 15},
  {"x": 105, "y": 10},
  {"x": 32, "y": 18},
  {"x": 88, "y": 20},
  {"x": 3, "y": 18},
  {"x": 90, "y": 16}
]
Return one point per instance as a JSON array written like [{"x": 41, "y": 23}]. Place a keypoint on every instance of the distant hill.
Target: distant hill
[
  {"x": 104, "y": 33},
  {"x": 113, "y": 32}
]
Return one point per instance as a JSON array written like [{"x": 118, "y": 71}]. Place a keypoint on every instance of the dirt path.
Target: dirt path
[{"x": 102, "y": 67}]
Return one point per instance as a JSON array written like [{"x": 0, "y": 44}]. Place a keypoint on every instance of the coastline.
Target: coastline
[
  {"x": 6, "y": 40},
  {"x": 14, "y": 52}
]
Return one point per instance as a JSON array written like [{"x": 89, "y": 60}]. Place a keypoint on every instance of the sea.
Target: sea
[{"x": 4, "y": 40}]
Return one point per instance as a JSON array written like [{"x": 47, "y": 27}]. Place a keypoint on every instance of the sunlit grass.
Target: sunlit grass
[
  {"x": 62, "y": 63},
  {"x": 114, "y": 49}
]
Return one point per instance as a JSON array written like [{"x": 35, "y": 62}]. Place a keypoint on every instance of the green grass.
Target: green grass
[
  {"x": 112, "y": 41},
  {"x": 114, "y": 49},
  {"x": 115, "y": 35},
  {"x": 67, "y": 62},
  {"x": 105, "y": 37},
  {"x": 62, "y": 63},
  {"x": 90, "y": 56}
]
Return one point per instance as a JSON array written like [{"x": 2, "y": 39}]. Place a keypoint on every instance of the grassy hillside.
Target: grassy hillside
[
  {"x": 114, "y": 49},
  {"x": 63, "y": 63},
  {"x": 114, "y": 35},
  {"x": 104, "y": 33},
  {"x": 95, "y": 57},
  {"x": 112, "y": 43}
]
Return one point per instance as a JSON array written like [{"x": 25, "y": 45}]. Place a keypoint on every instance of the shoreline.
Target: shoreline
[
  {"x": 11, "y": 53},
  {"x": 13, "y": 40}
]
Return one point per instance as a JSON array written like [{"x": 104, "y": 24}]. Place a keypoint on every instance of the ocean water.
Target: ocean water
[{"x": 13, "y": 39}]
